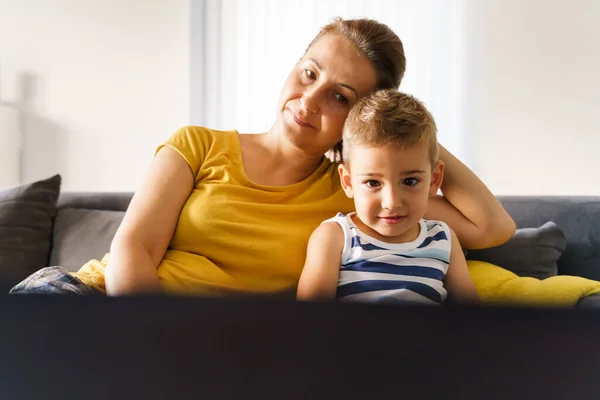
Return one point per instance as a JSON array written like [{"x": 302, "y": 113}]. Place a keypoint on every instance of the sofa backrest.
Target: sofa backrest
[
  {"x": 579, "y": 219},
  {"x": 109, "y": 201},
  {"x": 84, "y": 226},
  {"x": 86, "y": 223}
]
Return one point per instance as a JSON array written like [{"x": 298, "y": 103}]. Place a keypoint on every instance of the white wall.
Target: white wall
[
  {"x": 531, "y": 106},
  {"x": 98, "y": 83},
  {"x": 109, "y": 80}
]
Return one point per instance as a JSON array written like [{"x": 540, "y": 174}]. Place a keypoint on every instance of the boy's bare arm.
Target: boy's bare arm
[
  {"x": 319, "y": 277},
  {"x": 458, "y": 281}
]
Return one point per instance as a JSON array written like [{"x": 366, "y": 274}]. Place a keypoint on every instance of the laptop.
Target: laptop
[{"x": 55, "y": 347}]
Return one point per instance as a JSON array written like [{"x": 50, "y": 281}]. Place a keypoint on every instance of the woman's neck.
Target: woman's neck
[{"x": 268, "y": 161}]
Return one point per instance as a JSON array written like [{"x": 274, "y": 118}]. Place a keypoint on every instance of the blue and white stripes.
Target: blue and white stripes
[{"x": 374, "y": 271}]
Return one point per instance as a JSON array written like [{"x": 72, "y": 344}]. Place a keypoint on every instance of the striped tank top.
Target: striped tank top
[{"x": 375, "y": 271}]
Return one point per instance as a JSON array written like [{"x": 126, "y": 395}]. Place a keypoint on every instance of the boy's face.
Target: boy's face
[{"x": 390, "y": 188}]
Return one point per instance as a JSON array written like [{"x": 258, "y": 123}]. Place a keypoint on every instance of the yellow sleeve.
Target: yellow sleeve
[{"x": 192, "y": 143}]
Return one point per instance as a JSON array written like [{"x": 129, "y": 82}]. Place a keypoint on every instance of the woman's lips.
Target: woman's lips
[
  {"x": 300, "y": 121},
  {"x": 392, "y": 220}
]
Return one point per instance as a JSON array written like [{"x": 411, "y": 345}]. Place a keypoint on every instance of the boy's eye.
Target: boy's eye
[
  {"x": 342, "y": 99},
  {"x": 310, "y": 74},
  {"x": 372, "y": 183},
  {"x": 410, "y": 181}
]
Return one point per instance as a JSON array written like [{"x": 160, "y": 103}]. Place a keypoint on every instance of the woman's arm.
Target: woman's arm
[
  {"x": 469, "y": 207},
  {"x": 144, "y": 235},
  {"x": 320, "y": 274}
]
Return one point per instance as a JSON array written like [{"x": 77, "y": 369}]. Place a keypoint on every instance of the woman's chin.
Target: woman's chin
[
  {"x": 297, "y": 135},
  {"x": 302, "y": 138}
]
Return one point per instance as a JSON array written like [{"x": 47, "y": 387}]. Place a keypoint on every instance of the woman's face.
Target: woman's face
[{"x": 320, "y": 91}]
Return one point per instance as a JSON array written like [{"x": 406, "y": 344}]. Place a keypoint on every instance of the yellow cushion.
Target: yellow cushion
[{"x": 498, "y": 286}]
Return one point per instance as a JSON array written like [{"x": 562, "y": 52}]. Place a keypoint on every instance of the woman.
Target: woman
[{"x": 223, "y": 213}]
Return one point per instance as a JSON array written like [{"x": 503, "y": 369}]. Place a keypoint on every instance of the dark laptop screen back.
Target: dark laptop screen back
[{"x": 179, "y": 348}]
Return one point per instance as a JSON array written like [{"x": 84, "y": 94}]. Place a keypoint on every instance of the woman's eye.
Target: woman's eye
[
  {"x": 310, "y": 74},
  {"x": 372, "y": 184},
  {"x": 411, "y": 181},
  {"x": 342, "y": 99}
]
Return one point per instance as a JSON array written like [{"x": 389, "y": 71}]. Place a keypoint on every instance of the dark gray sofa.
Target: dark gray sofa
[
  {"x": 93, "y": 216},
  {"x": 85, "y": 223},
  {"x": 84, "y": 226}
]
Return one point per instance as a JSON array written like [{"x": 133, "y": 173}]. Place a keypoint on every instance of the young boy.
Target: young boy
[{"x": 386, "y": 250}]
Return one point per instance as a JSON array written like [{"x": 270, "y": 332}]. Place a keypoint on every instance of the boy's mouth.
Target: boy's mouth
[{"x": 392, "y": 220}]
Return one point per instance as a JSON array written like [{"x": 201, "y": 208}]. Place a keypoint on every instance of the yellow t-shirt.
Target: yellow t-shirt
[{"x": 234, "y": 235}]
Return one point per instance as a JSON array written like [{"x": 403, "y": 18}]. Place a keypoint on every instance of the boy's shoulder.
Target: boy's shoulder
[
  {"x": 341, "y": 219},
  {"x": 434, "y": 227},
  {"x": 431, "y": 223}
]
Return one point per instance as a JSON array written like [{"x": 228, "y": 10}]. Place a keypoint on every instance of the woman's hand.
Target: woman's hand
[{"x": 468, "y": 206}]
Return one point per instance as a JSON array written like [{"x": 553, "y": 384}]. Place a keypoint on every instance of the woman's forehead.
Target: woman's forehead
[{"x": 339, "y": 60}]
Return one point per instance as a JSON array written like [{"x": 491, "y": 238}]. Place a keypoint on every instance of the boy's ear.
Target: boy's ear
[
  {"x": 437, "y": 176},
  {"x": 346, "y": 180}
]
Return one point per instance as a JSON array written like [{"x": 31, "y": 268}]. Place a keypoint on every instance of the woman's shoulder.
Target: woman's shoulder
[
  {"x": 196, "y": 143},
  {"x": 193, "y": 133},
  {"x": 200, "y": 140}
]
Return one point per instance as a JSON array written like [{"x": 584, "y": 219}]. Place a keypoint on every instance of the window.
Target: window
[{"x": 242, "y": 51}]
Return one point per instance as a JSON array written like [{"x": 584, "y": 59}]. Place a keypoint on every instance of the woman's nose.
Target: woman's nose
[{"x": 310, "y": 100}]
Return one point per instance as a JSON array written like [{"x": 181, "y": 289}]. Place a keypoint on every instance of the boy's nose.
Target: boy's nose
[{"x": 391, "y": 200}]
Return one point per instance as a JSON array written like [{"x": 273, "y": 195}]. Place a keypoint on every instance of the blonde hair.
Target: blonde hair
[
  {"x": 379, "y": 44},
  {"x": 390, "y": 118}
]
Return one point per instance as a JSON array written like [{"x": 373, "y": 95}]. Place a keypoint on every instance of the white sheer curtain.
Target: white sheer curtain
[{"x": 248, "y": 47}]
